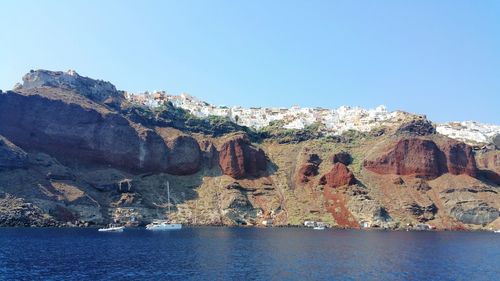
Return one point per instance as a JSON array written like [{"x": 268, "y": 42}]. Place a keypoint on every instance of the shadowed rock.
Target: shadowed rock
[
  {"x": 61, "y": 124},
  {"x": 420, "y": 127},
  {"x": 307, "y": 171},
  {"x": 11, "y": 156},
  {"x": 342, "y": 157},
  {"x": 184, "y": 157}
]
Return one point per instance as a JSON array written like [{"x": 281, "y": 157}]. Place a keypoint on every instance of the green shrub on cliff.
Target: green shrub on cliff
[
  {"x": 167, "y": 115},
  {"x": 276, "y": 131}
]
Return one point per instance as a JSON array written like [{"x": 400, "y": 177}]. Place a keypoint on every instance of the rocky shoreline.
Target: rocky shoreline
[
  {"x": 69, "y": 226},
  {"x": 15, "y": 212}
]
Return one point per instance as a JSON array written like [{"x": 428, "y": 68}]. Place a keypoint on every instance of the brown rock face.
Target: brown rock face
[
  {"x": 338, "y": 176},
  {"x": 417, "y": 157},
  {"x": 79, "y": 129},
  {"x": 309, "y": 169},
  {"x": 184, "y": 157},
  {"x": 306, "y": 171},
  {"x": 422, "y": 158},
  {"x": 460, "y": 159},
  {"x": 489, "y": 166},
  {"x": 239, "y": 159}
]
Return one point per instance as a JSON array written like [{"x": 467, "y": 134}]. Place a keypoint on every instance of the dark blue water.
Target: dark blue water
[{"x": 247, "y": 254}]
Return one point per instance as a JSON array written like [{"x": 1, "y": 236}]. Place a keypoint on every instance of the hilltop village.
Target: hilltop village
[
  {"x": 331, "y": 121},
  {"x": 334, "y": 120}
]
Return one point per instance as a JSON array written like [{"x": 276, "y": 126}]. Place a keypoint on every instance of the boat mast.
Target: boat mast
[{"x": 168, "y": 197}]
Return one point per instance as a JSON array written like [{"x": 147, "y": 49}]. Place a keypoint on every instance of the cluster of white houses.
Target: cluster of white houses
[
  {"x": 333, "y": 120},
  {"x": 469, "y": 131}
]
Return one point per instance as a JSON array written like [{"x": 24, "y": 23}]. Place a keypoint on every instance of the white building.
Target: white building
[{"x": 333, "y": 121}]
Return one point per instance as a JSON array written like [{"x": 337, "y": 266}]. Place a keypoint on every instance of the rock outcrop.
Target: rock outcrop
[
  {"x": 209, "y": 154},
  {"x": 423, "y": 158},
  {"x": 342, "y": 157},
  {"x": 421, "y": 185},
  {"x": 96, "y": 90},
  {"x": 474, "y": 214},
  {"x": 239, "y": 159},
  {"x": 184, "y": 156},
  {"x": 459, "y": 158},
  {"x": 488, "y": 163},
  {"x": 15, "y": 212},
  {"x": 419, "y": 127},
  {"x": 314, "y": 158},
  {"x": 422, "y": 213},
  {"x": 472, "y": 204},
  {"x": 11, "y": 156},
  {"x": 496, "y": 141},
  {"x": 418, "y": 157},
  {"x": 338, "y": 176},
  {"x": 309, "y": 169},
  {"x": 49, "y": 167},
  {"x": 72, "y": 128}
]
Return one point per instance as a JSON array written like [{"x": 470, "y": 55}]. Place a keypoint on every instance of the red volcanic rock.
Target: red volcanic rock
[
  {"x": 415, "y": 156},
  {"x": 184, "y": 156},
  {"x": 339, "y": 175},
  {"x": 309, "y": 169},
  {"x": 306, "y": 171},
  {"x": 239, "y": 159},
  {"x": 422, "y": 158},
  {"x": 460, "y": 158}
]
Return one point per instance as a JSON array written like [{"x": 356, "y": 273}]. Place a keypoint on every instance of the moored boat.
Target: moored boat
[
  {"x": 164, "y": 224},
  {"x": 111, "y": 228}
]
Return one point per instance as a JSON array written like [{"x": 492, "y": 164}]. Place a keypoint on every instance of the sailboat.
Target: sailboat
[
  {"x": 111, "y": 228},
  {"x": 164, "y": 224}
]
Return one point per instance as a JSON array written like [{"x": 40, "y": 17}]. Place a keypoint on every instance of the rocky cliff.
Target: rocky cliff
[
  {"x": 72, "y": 153},
  {"x": 422, "y": 158},
  {"x": 238, "y": 158}
]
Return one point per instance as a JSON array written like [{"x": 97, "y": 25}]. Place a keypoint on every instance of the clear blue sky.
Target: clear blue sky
[{"x": 440, "y": 58}]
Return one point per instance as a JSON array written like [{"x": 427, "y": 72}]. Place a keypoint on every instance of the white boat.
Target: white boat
[
  {"x": 111, "y": 229},
  {"x": 319, "y": 227},
  {"x": 164, "y": 224},
  {"x": 497, "y": 231}
]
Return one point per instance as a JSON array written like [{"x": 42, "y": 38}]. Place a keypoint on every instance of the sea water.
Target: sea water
[{"x": 211, "y": 253}]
